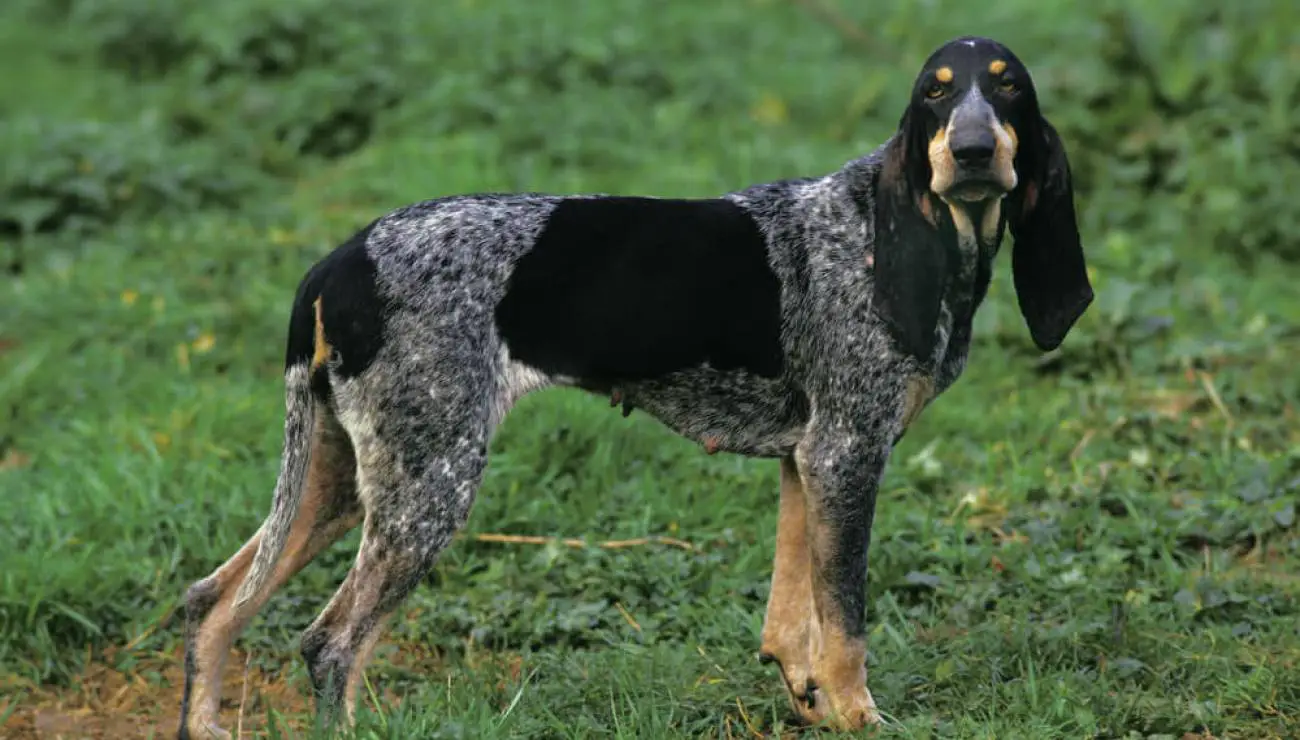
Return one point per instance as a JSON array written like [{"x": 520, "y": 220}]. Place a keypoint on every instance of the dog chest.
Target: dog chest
[{"x": 725, "y": 411}]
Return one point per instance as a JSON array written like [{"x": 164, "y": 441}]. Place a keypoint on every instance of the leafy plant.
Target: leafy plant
[{"x": 79, "y": 175}]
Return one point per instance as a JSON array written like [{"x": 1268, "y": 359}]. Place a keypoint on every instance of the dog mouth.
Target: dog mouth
[{"x": 976, "y": 187}]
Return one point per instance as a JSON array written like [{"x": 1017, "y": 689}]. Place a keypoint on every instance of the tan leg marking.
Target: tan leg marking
[
  {"x": 841, "y": 699},
  {"x": 355, "y": 616},
  {"x": 351, "y": 594},
  {"x": 212, "y": 643},
  {"x": 356, "y": 676},
  {"x": 328, "y": 512},
  {"x": 838, "y": 660},
  {"x": 787, "y": 624}
]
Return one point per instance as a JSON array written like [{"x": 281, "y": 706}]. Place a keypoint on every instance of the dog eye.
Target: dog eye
[
  {"x": 934, "y": 91},
  {"x": 1008, "y": 86}
]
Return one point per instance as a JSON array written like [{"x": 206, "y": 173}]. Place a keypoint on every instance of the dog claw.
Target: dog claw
[
  {"x": 615, "y": 398},
  {"x": 710, "y": 445},
  {"x": 810, "y": 693}
]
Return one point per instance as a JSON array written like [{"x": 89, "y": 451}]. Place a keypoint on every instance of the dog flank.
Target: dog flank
[{"x": 809, "y": 320}]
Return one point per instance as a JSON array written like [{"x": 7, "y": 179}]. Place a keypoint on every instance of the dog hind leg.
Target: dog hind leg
[
  {"x": 420, "y": 465},
  {"x": 328, "y": 510}
]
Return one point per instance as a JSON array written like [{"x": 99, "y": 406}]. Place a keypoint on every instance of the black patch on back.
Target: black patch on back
[
  {"x": 351, "y": 310},
  {"x": 631, "y": 288}
]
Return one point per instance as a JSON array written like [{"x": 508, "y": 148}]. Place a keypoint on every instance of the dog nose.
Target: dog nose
[{"x": 974, "y": 150}]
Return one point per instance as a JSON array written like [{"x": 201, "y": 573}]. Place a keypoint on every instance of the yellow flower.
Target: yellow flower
[
  {"x": 280, "y": 237},
  {"x": 770, "y": 110}
]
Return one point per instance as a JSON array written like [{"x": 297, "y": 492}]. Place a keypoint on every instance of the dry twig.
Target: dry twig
[{"x": 521, "y": 539}]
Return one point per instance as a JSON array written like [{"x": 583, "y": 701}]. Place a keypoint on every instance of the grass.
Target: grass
[{"x": 1099, "y": 543}]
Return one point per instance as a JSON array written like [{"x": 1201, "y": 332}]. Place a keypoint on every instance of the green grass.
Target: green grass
[{"x": 1100, "y": 543}]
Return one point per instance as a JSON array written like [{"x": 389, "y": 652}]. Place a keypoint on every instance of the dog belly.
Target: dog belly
[{"x": 733, "y": 412}]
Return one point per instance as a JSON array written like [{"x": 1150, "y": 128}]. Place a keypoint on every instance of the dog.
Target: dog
[{"x": 809, "y": 320}]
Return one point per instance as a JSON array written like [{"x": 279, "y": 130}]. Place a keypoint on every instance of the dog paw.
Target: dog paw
[
  {"x": 796, "y": 674},
  {"x": 822, "y": 703},
  {"x": 852, "y": 710}
]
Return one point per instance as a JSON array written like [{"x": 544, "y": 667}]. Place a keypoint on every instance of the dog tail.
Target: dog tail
[
  {"x": 306, "y": 355},
  {"x": 294, "y": 461}
]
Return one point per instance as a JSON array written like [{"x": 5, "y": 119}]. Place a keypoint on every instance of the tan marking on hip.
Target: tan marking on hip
[{"x": 321, "y": 348}]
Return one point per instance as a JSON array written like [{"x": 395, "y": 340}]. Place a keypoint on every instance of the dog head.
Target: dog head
[{"x": 973, "y": 154}]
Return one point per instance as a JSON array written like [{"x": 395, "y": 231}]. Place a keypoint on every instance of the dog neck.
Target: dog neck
[{"x": 977, "y": 227}]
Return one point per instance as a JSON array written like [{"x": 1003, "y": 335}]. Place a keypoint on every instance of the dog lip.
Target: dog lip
[
  {"x": 975, "y": 188},
  {"x": 968, "y": 175}
]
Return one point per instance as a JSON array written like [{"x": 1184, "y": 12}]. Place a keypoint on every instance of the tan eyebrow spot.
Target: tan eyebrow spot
[
  {"x": 997, "y": 67},
  {"x": 943, "y": 74}
]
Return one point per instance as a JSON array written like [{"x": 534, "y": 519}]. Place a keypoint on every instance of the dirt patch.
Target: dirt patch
[
  {"x": 144, "y": 701},
  {"x": 111, "y": 700}
]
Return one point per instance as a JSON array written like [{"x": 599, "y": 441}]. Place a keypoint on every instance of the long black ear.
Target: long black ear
[
  {"x": 1047, "y": 260},
  {"x": 913, "y": 261}
]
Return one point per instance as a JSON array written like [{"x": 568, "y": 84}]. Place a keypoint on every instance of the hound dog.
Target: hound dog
[{"x": 808, "y": 320}]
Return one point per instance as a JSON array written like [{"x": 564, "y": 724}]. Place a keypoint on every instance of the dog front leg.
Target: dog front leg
[
  {"x": 841, "y": 474},
  {"x": 787, "y": 625}
]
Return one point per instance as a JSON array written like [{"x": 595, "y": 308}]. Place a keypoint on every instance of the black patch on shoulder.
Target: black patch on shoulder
[
  {"x": 351, "y": 309},
  {"x": 633, "y": 288}
]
